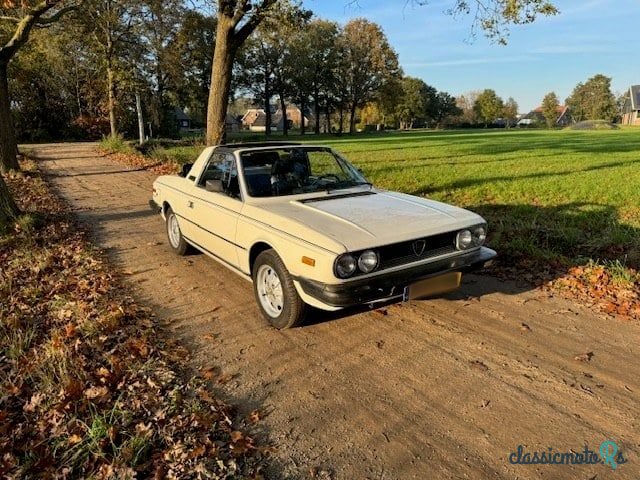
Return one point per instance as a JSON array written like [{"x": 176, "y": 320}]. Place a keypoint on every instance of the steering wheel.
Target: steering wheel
[{"x": 328, "y": 176}]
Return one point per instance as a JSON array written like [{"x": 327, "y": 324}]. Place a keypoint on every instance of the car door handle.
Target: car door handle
[{"x": 190, "y": 204}]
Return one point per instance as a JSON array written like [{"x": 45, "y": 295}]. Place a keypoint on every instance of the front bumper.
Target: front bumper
[{"x": 385, "y": 286}]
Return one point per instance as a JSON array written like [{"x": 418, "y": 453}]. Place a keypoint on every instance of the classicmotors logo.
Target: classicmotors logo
[{"x": 608, "y": 454}]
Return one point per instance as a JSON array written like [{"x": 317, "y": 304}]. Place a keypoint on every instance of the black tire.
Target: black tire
[
  {"x": 181, "y": 247},
  {"x": 294, "y": 309}
]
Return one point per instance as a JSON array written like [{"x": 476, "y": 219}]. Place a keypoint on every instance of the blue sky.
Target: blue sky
[{"x": 553, "y": 54}]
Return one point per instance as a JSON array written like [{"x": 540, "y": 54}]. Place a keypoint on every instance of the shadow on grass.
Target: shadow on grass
[
  {"x": 535, "y": 245},
  {"x": 497, "y": 142},
  {"x": 472, "y": 182}
]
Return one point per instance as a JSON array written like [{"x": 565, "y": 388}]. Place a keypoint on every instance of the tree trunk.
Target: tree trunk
[
  {"x": 221, "y": 72},
  {"x": 111, "y": 96},
  {"x": 267, "y": 108},
  {"x": 316, "y": 111},
  {"x": 341, "y": 131},
  {"x": 303, "y": 127},
  {"x": 8, "y": 145},
  {"x": 140, "y": 120},
  {"x": 327, "y": 117},
  {"x": 352, "y": 119},
  {"x": 8, "y": 209},
  {"x": 285, "y": 120}
]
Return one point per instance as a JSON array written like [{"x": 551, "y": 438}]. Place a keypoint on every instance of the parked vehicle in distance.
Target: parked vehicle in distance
[{"x": 307, "y": 228}]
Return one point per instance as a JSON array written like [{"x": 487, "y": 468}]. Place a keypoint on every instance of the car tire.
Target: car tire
[
  {"x": 275, "y": 293},
  {"x": 176, "y": 241}
]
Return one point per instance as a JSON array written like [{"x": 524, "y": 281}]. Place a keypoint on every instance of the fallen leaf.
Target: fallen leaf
[
  {"x": 210, "y": 373},
  {"x": 524, "y": 327},
  {"x": 96, "y": 392},
  {"x": 254, "y": 417},
  {"x": 34, "y": 402},
  {"x": 70, "y": 329}
]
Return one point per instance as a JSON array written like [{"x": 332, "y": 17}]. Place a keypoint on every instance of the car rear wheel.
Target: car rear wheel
[
  {"x": 275, "y": 293},
  {"x": 176, "y": 240}
]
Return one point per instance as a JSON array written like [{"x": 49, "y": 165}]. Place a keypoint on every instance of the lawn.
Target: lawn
[{"x": 549, "y": 196}]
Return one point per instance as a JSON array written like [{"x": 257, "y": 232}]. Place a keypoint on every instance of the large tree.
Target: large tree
[
  {"x": 445, "y": 107},
  {"x": 466, "y": 103},
  {"x": 161, "y": 21},
  {"x": 237, "y": 19},
  {"x": 111, "y": 25},
  {"x": 22, "y": 16},
  {"x": 550, "y": 106},
  {"x": 510, "y": 112},
  {"x": 371, "y": 61},
  {"x": 488, "y": 106},
  {"x": 593, "y": 100},
  {"x": 190, "y": 62},
  {"x": 415, "y": 96}
]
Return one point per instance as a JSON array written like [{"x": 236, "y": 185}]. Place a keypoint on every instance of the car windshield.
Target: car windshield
[{"x": 294, "y": 170}]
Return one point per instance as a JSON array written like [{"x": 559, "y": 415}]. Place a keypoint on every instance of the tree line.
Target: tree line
[{"x": 81, "y": 62}]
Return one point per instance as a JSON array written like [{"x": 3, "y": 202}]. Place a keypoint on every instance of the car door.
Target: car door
[{"x": 216, "y": 213}]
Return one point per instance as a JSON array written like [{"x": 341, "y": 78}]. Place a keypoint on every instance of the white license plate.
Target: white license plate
[{"x": 432, "y": 286}]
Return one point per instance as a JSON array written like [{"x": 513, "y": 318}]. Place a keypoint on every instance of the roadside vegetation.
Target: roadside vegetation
[
  {"x": 557, "y": 202},
  {"x": 90, "y": 386}
]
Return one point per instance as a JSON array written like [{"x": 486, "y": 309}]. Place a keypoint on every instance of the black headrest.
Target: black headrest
[{"x": 282, "y": 166}]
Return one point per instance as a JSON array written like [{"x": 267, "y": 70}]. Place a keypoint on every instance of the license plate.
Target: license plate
[{"x": 432, "y": 286}]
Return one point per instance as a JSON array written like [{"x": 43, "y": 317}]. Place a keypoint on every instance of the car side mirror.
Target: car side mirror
[
  {"x": 186, "y": 168},
  {"x": 214, "y": 186}
]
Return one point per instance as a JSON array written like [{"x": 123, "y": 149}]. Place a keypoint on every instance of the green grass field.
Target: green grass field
[{"x": 568, "y": 196}]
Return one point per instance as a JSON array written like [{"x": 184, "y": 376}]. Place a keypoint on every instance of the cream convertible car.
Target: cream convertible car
[{"x": 307, "y": 228}]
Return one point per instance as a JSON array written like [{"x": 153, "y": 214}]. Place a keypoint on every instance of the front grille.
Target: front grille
[{"x": 403, "y": 252}]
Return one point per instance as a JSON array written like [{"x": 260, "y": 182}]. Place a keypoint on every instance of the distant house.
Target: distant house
[
  {"x": 255, "y": 119},
  {"x": 259, "y": 124},
  {"x": 250, "y": 117},
  {"x": 295, "y": 118},
  {"x": 536, "y": 116},
  {"x": 631, "y": 108},
  {"x": 183, "y": 120}
]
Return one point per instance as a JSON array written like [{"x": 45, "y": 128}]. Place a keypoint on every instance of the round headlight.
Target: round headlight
[
  {"x": 368, "y": 261},
  {"x": 479, "y": 235},
  {"x": 464, "y": 239},
  {"x": 345, "y": 265}
]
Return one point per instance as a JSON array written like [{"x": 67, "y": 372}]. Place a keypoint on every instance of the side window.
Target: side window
[
  {"x": 214, "y": 169},
  {"x": 222, "y": 166}
]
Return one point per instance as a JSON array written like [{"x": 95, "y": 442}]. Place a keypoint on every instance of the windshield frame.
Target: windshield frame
[{"x": 357, "y": 178}]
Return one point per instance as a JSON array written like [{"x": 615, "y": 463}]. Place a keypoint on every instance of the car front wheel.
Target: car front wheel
[
  {"x": 275, "y": 293},
  {"x": 176, "y": 240}
]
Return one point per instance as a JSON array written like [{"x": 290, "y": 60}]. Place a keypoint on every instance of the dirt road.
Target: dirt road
[{"x": 444, "y": 388}]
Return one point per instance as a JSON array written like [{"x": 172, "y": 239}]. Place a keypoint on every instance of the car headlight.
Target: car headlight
[
  {"x": 464, "y": 239},
  {"x": 368, "y": 261},
  {"x": 345, "y": 265},
  {"x": 479, "y": 235}
]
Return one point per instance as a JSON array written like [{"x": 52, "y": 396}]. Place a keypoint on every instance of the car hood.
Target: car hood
[{"x": 368, "y": 219}]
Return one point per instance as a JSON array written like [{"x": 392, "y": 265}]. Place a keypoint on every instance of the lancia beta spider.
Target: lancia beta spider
[{"x": 307, "y": 228}]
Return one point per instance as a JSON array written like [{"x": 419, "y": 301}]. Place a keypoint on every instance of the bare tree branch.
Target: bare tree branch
[{"x": 56, "y": 16}]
